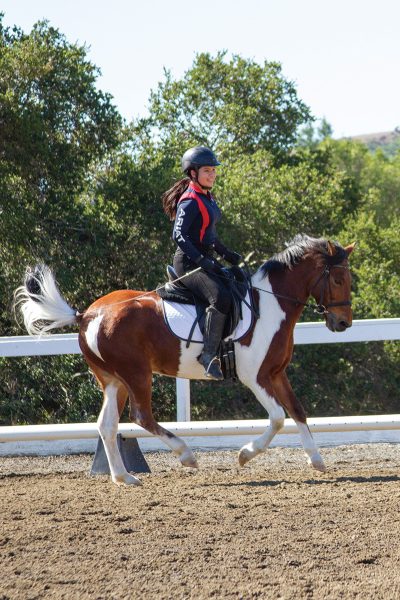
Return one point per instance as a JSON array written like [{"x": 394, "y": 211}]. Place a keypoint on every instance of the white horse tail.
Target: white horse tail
[{"x": 41, "y": 304}]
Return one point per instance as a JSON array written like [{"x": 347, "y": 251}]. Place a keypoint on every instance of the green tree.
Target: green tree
[
  {"x": 375, "y": 266},
  {"x": 81, "y": 191},
  {"x": 361, "y": 378},
  {"x": 55, "y": 124},
  {"x": 372, "y": 178},
  {"x": 54, "y": 121},
  {"x": 229, "y": 104},
  {"x": 311, "y": 135},
  {"x": 278, "y": 201}
]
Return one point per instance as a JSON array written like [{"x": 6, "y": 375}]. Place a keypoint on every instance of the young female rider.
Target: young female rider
[{"x": 196, "y": 214}]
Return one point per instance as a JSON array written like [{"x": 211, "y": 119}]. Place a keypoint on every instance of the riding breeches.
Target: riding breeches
[{"x": 207, "y": 286}]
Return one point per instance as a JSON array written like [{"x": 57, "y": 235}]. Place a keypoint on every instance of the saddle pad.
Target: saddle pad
[{"x": 180, "y": 317}]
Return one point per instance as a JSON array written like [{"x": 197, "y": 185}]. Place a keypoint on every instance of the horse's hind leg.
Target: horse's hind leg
[
  {"x": 141, "y": 413},
  {"x": 287, "y": 398},
  {"x": 263, "y": 393},
  {"x": 115, "y": 395}
]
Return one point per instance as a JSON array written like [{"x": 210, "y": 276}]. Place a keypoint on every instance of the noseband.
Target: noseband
[{"x": 322, "y": 309}]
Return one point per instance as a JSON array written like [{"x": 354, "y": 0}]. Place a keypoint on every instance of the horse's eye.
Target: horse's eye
[{"x": 338, "y": 281}]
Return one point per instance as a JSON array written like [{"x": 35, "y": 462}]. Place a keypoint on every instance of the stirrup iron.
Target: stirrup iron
[{"x": 213, "y": 370}]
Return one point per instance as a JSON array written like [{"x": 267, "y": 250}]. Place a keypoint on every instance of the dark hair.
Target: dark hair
[{"x": 170, "y": 197}]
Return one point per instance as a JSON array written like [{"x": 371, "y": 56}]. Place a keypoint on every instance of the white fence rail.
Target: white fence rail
[
  {"x": 367, "y": 330},
  {"x": 78, "y": 431},
  {"x": 305, "y": 333}
]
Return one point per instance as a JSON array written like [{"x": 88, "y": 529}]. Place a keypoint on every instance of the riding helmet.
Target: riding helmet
[{"x": 199, "y": 156}]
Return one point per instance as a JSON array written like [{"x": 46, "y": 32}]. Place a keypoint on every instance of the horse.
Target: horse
[{"x": 124, "y": 340}]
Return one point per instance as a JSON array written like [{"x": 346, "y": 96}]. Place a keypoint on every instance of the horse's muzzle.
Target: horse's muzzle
[{"x": 336, "y": 323}]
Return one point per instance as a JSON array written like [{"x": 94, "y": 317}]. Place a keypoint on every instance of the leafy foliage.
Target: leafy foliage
[
  {"x": 80, "y": 190},
  {"x": 278, "y": 202},
  {"x": 55, "y": 124},
  {"x": 231, "y": 105},
  {"x": 54, "y": 120}
]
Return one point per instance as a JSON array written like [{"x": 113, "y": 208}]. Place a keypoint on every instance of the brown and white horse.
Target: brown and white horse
[{"x": 124, "y": 340}]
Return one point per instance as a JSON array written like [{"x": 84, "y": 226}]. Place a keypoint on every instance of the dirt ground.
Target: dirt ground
[{"x": 274, "y": 529}]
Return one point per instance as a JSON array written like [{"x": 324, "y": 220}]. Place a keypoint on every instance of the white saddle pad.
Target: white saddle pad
[{"x": 179, "y": 318}]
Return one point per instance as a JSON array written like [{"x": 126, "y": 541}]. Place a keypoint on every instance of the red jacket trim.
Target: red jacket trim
[{"x": 193, "y": 193}]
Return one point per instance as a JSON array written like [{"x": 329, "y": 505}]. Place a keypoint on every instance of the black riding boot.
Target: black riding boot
[{"x": 213, "y": 330}]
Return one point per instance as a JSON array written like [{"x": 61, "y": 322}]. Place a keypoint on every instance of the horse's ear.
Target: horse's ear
[
  {"x": 349, "y": 249},
  {"x": 331, "y": 249}
]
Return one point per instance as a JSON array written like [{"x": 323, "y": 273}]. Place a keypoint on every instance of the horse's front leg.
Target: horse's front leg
[
  {"x": 263, "y": 392},
  {"x": 294, "y": 408}
]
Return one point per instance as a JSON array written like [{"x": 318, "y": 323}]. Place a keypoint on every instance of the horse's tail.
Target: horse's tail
[{"x": 41, "y": 304}]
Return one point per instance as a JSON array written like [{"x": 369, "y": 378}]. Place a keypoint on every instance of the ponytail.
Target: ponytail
[{"x": 170, "y": 197}]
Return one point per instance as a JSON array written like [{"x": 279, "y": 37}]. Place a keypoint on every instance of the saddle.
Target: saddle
[{"x": 240, "y": 285}]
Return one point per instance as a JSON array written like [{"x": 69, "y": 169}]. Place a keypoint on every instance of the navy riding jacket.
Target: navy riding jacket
[{"x": 197, "y": 215}]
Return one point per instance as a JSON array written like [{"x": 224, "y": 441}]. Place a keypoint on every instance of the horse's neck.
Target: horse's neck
[{"x": 284, "y": 288}]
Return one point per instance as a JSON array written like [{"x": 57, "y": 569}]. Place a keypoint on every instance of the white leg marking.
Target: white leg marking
[
  {"x": 91, "y": 335},
  {"x": 313, "y": 456},
  {"x": 108, "y": 428},
  {"x": 180, "y": 449},
  {"x": 176, "y": 444},
  {"x": 277, "y": 419}
]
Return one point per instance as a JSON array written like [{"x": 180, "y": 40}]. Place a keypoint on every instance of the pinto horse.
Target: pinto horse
[{"x": 124, "y": 339}]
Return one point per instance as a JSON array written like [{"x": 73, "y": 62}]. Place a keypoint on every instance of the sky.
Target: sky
[{"x": 342, "y": 55}]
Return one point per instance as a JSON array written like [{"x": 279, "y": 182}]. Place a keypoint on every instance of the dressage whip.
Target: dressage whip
[
  {"x": 152, "y": 291},
  {"x": 315, "y": 308},
  {"x": 144, "y": 294}
]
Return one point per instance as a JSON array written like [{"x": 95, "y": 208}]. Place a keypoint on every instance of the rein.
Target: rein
[{"x": 320, "y": 309}]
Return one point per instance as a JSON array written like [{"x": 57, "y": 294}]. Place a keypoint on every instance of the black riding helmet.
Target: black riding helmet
[{"x": 199, "y": 156}]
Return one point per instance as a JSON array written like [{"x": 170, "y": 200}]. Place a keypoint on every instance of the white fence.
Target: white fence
[
  {"x": 305, "y": 333},
  {"x": 367, "y": 330}
]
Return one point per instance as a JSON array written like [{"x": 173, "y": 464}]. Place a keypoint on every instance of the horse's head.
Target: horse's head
[
  {"x": 332, "y": 289},
  {"x": 313, "y": 267}
]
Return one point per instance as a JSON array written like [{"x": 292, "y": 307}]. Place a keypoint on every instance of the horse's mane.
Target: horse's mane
[{"x": 302, "y": 246}]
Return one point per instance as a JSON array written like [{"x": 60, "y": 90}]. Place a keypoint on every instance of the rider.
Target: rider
[{"x": 196, "y": 214}]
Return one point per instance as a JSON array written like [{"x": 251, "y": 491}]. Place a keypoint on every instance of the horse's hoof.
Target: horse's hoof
[
  {"x": 245, "y": 454},
  {"x": 188, "y": 460},
  {"x": 318, "y": 464},
  {"x": 126, "y": 479},
  {"x": 320, "y": 467}
]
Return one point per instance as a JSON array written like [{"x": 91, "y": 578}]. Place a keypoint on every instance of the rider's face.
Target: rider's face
[{"x": 206, "y": 177}]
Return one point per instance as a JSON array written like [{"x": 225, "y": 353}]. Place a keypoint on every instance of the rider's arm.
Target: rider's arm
[
  {"x": 186, "y": 213},
  {"x": 233, "y": 257}
]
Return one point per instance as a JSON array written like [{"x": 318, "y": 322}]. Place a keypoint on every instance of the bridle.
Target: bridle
[
  {"x": 322, "y": 309},
  {"x": 319, "y": 308}
]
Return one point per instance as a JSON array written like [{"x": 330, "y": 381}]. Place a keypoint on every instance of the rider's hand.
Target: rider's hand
[
  {"x": 206, "y": 264},
  {"x": 218, "y": 270},
  {"x": 233, "y": 257},
  {"x": 211, "y": 266}
]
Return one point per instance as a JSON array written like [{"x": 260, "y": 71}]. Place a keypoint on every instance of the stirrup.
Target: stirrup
[{"x": 213, "y": 371}]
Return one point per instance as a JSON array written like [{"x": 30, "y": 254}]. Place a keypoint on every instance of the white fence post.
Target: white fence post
[{"x": 182, "y": 399}]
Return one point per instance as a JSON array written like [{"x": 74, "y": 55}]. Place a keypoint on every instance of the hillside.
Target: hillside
[{"x": 387, "y": 141}]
